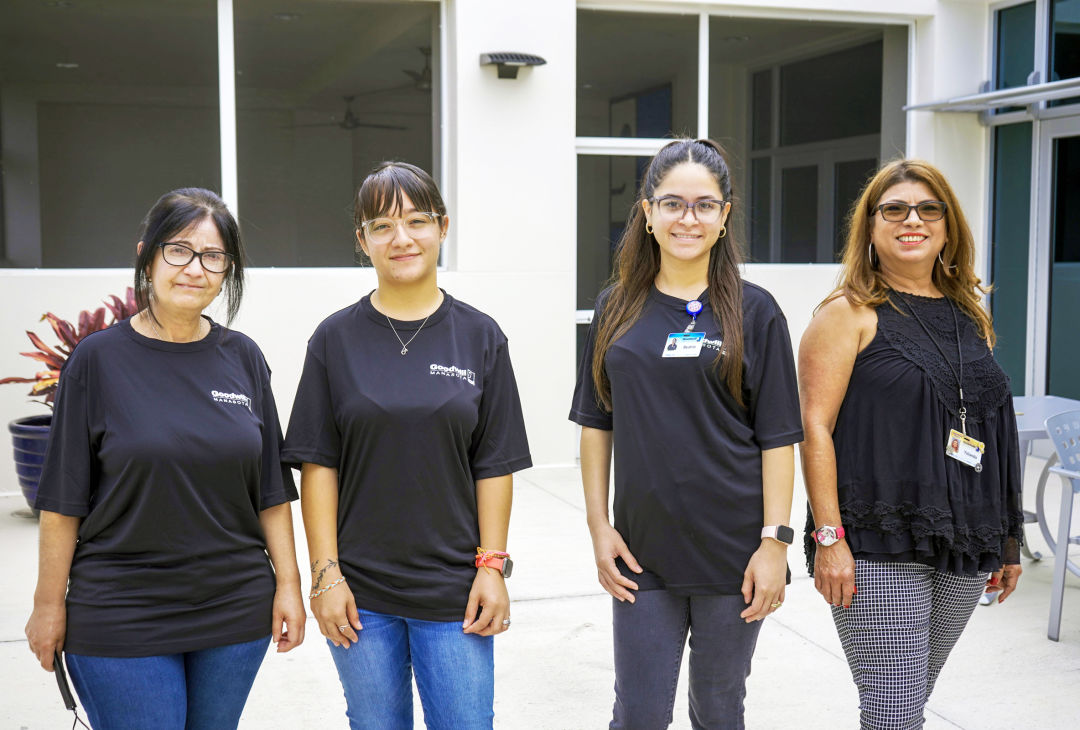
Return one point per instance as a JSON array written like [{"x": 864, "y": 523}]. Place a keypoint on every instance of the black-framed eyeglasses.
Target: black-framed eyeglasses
[
  {"x": 928, "y": 211},
  {"x": 180, "y": 254},
  {"x": 672, "y": 207}
]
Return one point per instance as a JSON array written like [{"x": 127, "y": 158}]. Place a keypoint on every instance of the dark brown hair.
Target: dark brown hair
[
  {"x": 637, "y": 262},
  {"x": 384, "y": 188},
  {"x": 861, "y": 280},
  {"x": 175, "y": 212}
]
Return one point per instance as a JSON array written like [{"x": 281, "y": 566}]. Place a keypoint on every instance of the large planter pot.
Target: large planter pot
[{"x": 30, "y": 436}]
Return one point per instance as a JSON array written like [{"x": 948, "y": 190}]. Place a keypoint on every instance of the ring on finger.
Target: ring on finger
[
  {"x": 506, "y": 622},
  {"x": 777, "y": 604},
  {"x": 343, "y": 628}
]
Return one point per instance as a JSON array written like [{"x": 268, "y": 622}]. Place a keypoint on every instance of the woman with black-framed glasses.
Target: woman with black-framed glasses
[
  {"x": 911, "y": 454},
  {"x": 162, "y": 493},
  {"x": 687, "y": 383}
]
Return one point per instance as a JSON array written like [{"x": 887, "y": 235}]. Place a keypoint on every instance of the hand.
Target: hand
[
  {"x": 763, "y": 580},
  {"x": 290, "y": 619},
  {"x": 45, "y": 632},
  {"x": 1005, "y": 580},
  {"x": 834, "y": 573},
  {"x": 489, "y": 596},
  {"x": 608, "y": 545},
  {"x": 335, "y": 608}
]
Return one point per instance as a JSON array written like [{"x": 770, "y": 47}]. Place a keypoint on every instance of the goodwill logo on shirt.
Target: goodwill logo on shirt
[
  {"x": 452, "y": 371},
  {"x": 238, "y": 399}
]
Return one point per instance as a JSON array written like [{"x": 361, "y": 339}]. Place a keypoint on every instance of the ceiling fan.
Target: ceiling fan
[
  {"x": 421, "y": 80},
  {"x": 349, "y": 121}
]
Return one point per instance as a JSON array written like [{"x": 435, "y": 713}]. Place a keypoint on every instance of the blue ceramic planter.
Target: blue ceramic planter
[{"x": 30, "y": 437}]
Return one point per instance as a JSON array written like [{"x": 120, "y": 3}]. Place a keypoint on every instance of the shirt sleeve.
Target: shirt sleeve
[
  {"x": 68, "y": 474},
  {"x": 277, "y": 485},
  {"x": 771, "y": 382},
  {"x": 499, "y": 443},
  {"x": 585, "y": 409},
  {"x": 313, "y": 436}
]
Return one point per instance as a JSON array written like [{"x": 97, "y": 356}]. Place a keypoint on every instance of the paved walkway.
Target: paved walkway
[{"x": 554, "y": 668}]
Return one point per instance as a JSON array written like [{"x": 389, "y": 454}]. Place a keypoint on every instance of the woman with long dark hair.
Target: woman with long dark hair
[
  {"x": 911, "y": 458},
  {"x": 688, "y": 371},
  {"x": 162, "y": 494},
  {"x": 408, "y": 428}
]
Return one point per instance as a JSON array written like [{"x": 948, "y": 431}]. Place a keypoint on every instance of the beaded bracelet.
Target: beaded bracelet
[{"x": 315, "y": 594}]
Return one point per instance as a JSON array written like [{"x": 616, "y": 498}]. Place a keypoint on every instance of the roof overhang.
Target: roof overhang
[{"x": 990, "y": 100}]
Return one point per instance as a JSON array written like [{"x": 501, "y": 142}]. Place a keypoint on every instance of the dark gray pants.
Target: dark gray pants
[
  {"x": 903, "y": 621},
  {"x": 649, "y": 639}
]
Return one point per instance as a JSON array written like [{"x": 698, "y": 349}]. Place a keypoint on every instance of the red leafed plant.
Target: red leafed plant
[{"x": 44, "y": 382}]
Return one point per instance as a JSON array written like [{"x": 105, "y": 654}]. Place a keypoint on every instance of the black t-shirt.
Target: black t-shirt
[
  {"x": 168, "y": 452},
  {"x": 409, "y": 436},
  {"x": 688, "y": 492}
]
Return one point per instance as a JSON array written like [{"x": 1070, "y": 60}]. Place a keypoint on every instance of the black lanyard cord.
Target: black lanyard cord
[{"x": 959, "y": 354}]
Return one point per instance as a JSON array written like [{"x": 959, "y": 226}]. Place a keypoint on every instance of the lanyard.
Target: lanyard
[{"x": 959, "y": 354}]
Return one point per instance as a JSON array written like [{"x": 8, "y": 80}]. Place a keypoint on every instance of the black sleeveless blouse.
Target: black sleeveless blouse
[{"x": 901, "y": 498}]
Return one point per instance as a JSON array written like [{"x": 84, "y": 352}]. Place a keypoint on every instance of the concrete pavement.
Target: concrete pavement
[{"x": 554, "y": 667}]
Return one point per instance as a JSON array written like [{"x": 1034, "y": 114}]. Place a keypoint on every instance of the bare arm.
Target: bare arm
[
  {"x": 47, "y": 626},
  {"x": 494, "y": 497},
  {"x": 827, "y": 355},
  {"x": 766, "y": 573},
  {"x": 289, "y": 617},
  {"x": 335, "y": 607},
  {"x": 608, "y": 544}
]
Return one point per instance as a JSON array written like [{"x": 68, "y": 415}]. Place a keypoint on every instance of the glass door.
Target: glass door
[{"x": 1058, "y": 257}]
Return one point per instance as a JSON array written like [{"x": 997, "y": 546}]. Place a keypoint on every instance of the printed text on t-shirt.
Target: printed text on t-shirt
[
  {"x": 452, "y": 371},
  {"x": 238, "y": 399}
]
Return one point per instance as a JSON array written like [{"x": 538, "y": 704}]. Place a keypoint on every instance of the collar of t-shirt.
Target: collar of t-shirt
[{"x": 404, "y": 324}]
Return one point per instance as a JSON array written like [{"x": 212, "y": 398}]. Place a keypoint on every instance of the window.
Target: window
[{"x": 105, "y": 106}]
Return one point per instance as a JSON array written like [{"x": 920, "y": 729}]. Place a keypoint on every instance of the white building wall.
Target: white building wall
[{"x": 512, "y": 197}]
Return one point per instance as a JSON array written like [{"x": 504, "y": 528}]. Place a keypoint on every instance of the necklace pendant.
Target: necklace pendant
[{"x": 404, "y": 350}]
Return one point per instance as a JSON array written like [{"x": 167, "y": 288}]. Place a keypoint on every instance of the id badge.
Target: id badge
[
  {"x": 965, "y": 449},
  {"x": 683, "y": 344}
]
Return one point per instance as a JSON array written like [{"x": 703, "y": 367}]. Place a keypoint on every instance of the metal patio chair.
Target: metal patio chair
[{"x": 1064, "y": 431}]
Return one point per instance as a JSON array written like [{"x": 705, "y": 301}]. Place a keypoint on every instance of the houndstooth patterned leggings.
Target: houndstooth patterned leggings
[{"x": 903, "y": 622}]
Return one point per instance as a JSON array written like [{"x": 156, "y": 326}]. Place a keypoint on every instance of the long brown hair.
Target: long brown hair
[
  {"x": 637, "y": 262},
  {"x": 861, "y": 280}
]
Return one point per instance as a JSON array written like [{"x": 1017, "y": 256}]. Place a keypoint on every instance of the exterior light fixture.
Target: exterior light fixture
[{"x": 508, "y": 62}]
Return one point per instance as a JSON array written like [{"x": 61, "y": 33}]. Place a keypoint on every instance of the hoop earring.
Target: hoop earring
[
  {"x": 945, "y": 267},
  {"x": 870, "y": 256},
  {"x": 723, "y": 232},
  {"x": 648, "y": 228}
]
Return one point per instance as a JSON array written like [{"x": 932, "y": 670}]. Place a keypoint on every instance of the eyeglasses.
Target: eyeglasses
[
  {"x": 928, "y": 210},
  {"x": 673, "y": 208},
  {"x": 417, "y": 225},
  {"x": 179, "y": 254}
]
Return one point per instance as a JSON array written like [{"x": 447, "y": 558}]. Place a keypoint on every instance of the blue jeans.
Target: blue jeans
[
  {"x": 454, "y": 671},
  {"x": 650, "y": 635},
  {"x": 196, "y": 690}
]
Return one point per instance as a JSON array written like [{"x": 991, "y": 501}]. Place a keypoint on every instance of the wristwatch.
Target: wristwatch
[
  {"x": 826, "y": 535},
  {"x": 497, "y": 561},
  {"x": 780, "y": 533}
]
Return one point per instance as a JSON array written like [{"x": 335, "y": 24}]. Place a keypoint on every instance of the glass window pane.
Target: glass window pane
[
  {"x": 607, "y": 189},
  {"x": 816, "y": 98},
  {"x": 760, "y": 212},
  {"x": 1009, "y": 247},
  {"x": 850, "y": 177},
  {"x": 798, "y": 214},
  {"x": 104, "y": 108},
  {"x": 1064, "y": 351},
  {"x": 1065, "y": 44},
  {"x": 762, "y": 109},
  {"x": 625, "y": 92},
  {"x": 324, "y": 94},
  {"x": 1015, "y": 54}
]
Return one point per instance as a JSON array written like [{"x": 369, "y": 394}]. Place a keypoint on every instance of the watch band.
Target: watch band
[
  {"x": 495, "y": 560},
  {"x": 827, "y": 535},
  {"x": 780, "y": 533}
]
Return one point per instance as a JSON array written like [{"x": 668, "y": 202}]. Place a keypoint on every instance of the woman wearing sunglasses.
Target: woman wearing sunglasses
[
  {"x": 688, "y": 378},
  {"x": 162, "y": 493},
  {"x": 911, "y": 454},
  {"x": 408, "y": 428}
]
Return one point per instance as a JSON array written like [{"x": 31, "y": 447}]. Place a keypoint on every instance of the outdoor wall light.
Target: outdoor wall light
[{"x": 508, "y": 62}]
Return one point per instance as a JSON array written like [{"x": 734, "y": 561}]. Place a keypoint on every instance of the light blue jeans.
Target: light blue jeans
[
  {"x": 196, "y": 690},
  {"x": 454, "y": 671}
]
